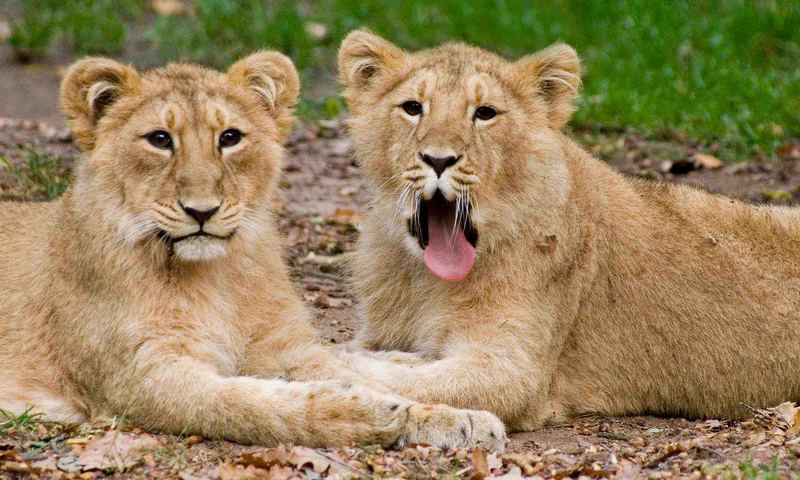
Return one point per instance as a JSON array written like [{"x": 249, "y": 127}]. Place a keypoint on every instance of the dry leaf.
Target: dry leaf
[
  {"x": 302, "y": 456},
  {"x": 281, "y": 462},
  {"x": 5, "y": 31},
  {"x": 69, "y": 464},
  {"x": 168, "y": 7},
  {"x": 239, "y": 472},
  {"x": 790, "y": 150},
  {"x": 628, "y": 472},
  {"x": 702, "y": 160},
  {"x": 481, "y": 467},
  {"x": 316, "y": 30},
  {"x": 494, "y": 461},
  {"x": 114, "y": 451},
  {"x": 347, "y": 216},
  {"x": 514, "y": 473},
  {"x": 273, "y": 456},
  {"x": 11, "y": 455},
  {"x": 47, "y": 463},
  {"x": 15, "y": 467},
  {"x": 789, "y": 414},
  {"x": 78, "y": 441}
]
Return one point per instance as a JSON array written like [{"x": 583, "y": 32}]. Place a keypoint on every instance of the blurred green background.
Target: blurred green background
[{"x": 725, "y": 72}]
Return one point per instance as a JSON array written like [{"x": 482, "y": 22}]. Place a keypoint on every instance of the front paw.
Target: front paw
[{"x": 446, "y": 427}]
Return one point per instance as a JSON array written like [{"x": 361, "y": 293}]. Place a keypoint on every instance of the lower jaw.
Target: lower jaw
[{"x": 200, "y": 249}]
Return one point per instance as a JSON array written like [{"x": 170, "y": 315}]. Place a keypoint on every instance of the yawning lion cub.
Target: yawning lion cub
[
  {"x": 154, "y": 288},
  {"x": 535, "y": 281}
]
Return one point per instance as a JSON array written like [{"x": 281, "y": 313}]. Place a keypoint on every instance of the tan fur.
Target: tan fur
[
  {"x": 591, "y": 292},
  {"x": 102, "y": 314}
]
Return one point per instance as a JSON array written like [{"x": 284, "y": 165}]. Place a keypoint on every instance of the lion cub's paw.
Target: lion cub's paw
[{"x": 446, "y": 427}]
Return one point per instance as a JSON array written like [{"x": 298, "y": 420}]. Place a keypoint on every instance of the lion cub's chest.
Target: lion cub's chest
[
  {"x": 418, "y": 326},
  {"x": 207, "y": 327}
]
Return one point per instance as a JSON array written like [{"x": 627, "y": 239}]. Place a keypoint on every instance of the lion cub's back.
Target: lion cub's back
[
  {"x": 24, "y": 222},
  {"x": 26, "y": 376},
  {"x": 24, "y": 232}
]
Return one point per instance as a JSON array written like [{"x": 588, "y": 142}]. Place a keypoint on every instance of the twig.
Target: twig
[
  {"x": 710, "y": 450},
  {"x": 614, "y": 436},
  {"x": 342, "y": 464}
]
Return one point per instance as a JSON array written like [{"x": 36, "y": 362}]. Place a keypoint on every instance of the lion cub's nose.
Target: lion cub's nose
[
  {"x": 440, "y": 164},
  {"x": 202, "y": 216}
]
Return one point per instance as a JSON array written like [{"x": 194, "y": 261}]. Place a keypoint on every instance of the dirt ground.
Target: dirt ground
[{"x": 323, "y": 198}]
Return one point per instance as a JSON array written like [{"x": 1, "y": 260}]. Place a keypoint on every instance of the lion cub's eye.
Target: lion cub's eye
[
  {"x": 485, "y": 113},
  {"x": 412, "y": 108},
  {"x": 230, "y": 137},
  {"x": 160, "y": 139}
]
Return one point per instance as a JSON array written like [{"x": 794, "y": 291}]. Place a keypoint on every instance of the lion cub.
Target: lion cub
[
  {"x": 154, "y": 288},
  {"x": 535, "y": 281}
]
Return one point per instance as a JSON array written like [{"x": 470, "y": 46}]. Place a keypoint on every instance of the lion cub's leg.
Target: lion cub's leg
[
  {"x": 438, "y": 425},
  {"x": 487, "y": 371},
  {"x": 392, "y": 356},
  {"x": 17, "y": 396},
  {"x": 176, "y": 393}
]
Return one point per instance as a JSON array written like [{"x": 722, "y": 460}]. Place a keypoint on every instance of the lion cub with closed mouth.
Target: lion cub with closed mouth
[
  {"x": 154, "y": 287},
  {"x": 535, "y": 281}
]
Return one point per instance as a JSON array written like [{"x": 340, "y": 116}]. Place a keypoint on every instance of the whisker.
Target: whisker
[
  {"x": 382, "y": 184},
  {"x": 399, "y": 205},
  {"x": 417, "y": 200},
  {"x": 137, "y": 226},
  {"x": 455, "y": 220}
]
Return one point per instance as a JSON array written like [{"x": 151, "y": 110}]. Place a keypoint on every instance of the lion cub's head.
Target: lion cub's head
[
  {"x": 179, "y": 159},
  {"x": 462, "y": 140}
]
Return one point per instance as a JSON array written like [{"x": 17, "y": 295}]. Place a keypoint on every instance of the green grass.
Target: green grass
[
  {"x": 91, "y": 27},
  {"x": 27, "y": 420},
  {"x": 32, "y": 33},
  {"x": 725, "y": 71},
  {"x": 746, "y": 469},
  {"x": 715, "y": 71},
  {"x": 41, "y": 176},
  {"x": 762, "y": 472}
]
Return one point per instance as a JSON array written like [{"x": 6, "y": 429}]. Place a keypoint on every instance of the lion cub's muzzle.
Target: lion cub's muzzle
[
  {"x": 203, "y": 233},
  {"x": 447, "y": 236}
]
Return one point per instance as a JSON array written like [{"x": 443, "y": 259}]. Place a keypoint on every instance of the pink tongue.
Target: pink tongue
[{"x": 449, "y": 255}]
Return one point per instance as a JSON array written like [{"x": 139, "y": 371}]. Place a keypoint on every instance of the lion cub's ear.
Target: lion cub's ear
[
  {"x": 364, "y": 57},
  {"x": 89, "y": 87},
  {"x": 273, "y": 77},
  {"x": 553, "y": 74}
]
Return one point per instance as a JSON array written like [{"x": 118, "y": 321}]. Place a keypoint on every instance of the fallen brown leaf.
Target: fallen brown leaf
[
  {"x": 481, "y": 466},
  {"x": 5, "y": 31},
  {"x": 168, "y": 7},
  {"x": 282, "y": 460},
  {"x": 790, "y": 415},
  {"x": 47, "y": 463},
  {"x": 347, "y": 216},
  {"x": 702, "y": 160},
  {"x": 494, "y": 461},
  {"x": 240, "y": 472},
  {"x": 114, "y": 451},
  {"x": 16, "y": 467},
  {"x": 782, "y": 418}
]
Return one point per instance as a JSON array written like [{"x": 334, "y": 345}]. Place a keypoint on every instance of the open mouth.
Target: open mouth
[{"x": 447, "y": 236}]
